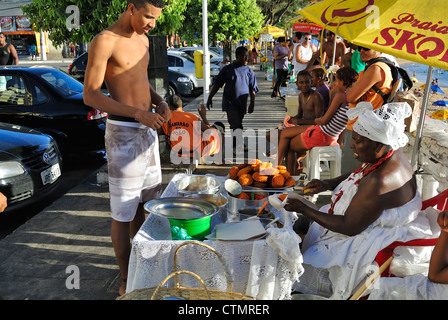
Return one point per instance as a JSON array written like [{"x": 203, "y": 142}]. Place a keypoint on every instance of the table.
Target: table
[{"x": 255, "y": 267}]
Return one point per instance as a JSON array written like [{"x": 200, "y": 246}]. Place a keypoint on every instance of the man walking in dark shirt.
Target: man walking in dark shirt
[{"x": 240, "y": 83}]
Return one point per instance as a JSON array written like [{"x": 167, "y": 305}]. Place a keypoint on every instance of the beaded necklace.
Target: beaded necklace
[{"x": 364, "y": 173}]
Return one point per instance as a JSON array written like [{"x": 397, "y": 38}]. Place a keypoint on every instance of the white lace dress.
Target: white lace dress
[{"x": 347, "y": 260}]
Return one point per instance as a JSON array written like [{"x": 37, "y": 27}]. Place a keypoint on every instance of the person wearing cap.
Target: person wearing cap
[{"x": 370, "y": 208}]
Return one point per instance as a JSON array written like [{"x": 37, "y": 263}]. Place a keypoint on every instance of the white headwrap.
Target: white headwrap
[{"x": 385, "y": 124}]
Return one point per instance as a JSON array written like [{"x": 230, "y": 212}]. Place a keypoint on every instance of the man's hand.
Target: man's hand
[
  {"x": 164, "y": 111},
  {"x": 150, "y": 119},
  {"x": 209, "y": 105}
]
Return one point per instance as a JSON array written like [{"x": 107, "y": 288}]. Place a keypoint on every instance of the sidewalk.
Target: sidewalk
[{"x": 71, "y": 237}]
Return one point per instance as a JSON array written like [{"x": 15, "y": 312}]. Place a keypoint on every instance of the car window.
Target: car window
[
  {"x": 179, "y": 62},
  {"x": 186, "y": 56},
  {"x": 61, "y": 82},
  {"x": 38, "y": 94},
  {"x": 171, "y": 61},
  {"x": 13, "y": 91}
]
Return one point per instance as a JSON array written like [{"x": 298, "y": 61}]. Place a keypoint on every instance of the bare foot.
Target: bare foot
[{"x": 122, "y": 289}]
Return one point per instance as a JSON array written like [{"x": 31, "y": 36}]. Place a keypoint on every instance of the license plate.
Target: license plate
[{"x": 51, "y": 174}]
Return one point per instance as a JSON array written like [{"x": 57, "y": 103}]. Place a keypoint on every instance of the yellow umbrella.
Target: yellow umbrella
[
  {"x": 410, "y": 29},
  {"x": 276, "y": 32}
]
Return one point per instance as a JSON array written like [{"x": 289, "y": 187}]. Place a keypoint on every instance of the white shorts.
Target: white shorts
[{"x": 133, "y": 163}]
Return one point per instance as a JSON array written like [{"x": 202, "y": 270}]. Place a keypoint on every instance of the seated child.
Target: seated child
[
  {"x": 327, "y": 128},
  {"x": 189, "y": 137}
]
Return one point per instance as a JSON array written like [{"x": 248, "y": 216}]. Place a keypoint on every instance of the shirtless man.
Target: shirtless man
[
  {"x": 119, "y": 55},
  {"x": 328, "y": 48}
]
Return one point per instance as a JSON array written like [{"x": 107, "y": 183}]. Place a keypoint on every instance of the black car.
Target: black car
[
  {"x": 178, "y": 83},
  {"x": 30, "y": 165},
  {"x": 51, "y": 101}
]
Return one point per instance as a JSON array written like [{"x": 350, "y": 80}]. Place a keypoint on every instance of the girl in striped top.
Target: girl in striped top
[{"x": 327, "y": 128}]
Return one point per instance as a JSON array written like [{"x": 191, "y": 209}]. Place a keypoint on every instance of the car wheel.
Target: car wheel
[{"x": 171, "y": 91}]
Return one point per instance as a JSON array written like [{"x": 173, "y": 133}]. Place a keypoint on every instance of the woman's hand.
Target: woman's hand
[
  {"x": 295, "y": 204},
  {"x": 316, "y": 186}
]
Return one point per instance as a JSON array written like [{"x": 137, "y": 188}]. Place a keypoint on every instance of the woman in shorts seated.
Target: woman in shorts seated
[{"x": 298, "y": 140}]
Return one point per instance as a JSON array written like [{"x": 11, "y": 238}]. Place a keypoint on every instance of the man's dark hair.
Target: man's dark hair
[
  {"x": 298, "y": 35},
  {"x": 141, "y": 3},
  {"x": 240, "y": 51},
  {"x": 281, "y": 39}
]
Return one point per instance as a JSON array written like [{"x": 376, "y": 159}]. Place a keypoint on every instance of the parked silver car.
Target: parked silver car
[
  {"x": 215, "y": 57},
  {"x": 181, "y": 62}
]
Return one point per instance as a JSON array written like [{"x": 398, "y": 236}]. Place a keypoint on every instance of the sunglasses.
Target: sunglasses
[
  {"x": 307, "y": 38},
  {"x": 363, "y": 48}
]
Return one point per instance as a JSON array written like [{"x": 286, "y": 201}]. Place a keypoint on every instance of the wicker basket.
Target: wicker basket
[{"x": 160, "y": 292}]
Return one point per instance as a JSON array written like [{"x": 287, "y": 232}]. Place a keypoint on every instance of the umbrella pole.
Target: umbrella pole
[
  {"x": 415, "y": 159},
  {"x": 334, "y": 58}
]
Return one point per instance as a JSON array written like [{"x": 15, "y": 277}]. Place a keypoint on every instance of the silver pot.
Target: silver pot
[
  {"x": 235, "y": 205},
  {"x": 198, "y": 184},
  {"x": 181, "y": 208}
]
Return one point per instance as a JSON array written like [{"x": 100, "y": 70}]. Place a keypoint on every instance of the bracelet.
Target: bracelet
[{"x": 163, "y": 101}]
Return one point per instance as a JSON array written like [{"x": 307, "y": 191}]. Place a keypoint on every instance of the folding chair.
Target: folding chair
[{"x": 385, "y": 256}]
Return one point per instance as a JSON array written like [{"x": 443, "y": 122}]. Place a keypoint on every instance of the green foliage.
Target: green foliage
[
  {"x": 227, "y": 19},
  {"x": 94, "y": 16}
]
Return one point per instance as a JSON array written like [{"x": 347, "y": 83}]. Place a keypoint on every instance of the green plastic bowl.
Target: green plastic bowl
[
  {"x": 197, "y": 228},
  {"x": 193, "y": 215}
]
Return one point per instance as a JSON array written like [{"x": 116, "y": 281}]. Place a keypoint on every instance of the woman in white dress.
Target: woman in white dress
[{"x": 371, "y": 207}]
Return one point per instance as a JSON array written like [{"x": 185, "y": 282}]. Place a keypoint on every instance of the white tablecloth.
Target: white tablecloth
[{"x": 255, "y": 267}]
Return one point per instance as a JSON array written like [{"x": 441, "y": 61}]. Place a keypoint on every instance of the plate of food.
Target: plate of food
[{"x": 263, "y": 175}]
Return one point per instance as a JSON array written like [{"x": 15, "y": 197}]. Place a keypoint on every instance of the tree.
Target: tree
[
  {"x": 93, "y": 16},
  {"x": 278, "y": 12},
  {"x": 227, "y": 20}
]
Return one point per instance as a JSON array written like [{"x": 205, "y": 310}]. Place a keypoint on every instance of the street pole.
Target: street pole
[{"x": 206, "y": 56}]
